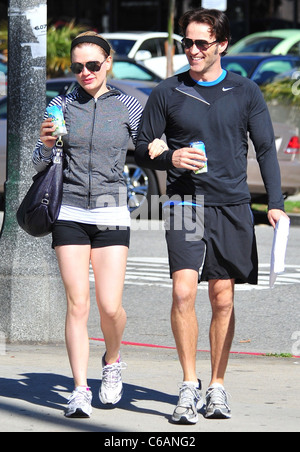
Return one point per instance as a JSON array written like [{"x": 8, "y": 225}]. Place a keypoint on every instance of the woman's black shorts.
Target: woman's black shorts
[{"x": 72, "y": 233}]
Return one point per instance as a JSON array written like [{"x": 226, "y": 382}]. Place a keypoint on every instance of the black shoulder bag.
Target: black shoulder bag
[{"x": 40, "y": 208}]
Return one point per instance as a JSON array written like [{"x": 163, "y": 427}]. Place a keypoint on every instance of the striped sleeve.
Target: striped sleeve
[{"x": 135, "y": 114}]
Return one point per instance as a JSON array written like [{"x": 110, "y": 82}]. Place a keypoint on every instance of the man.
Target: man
[{"x": 219, "y": 108}]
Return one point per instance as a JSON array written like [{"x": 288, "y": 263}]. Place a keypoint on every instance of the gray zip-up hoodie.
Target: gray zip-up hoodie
[{"x": 95, "y": 148}]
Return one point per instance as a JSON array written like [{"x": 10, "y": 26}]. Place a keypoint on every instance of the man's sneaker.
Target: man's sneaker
[
  {"x": 111, "y": 389},
  {"x": 217, "y": 403},
  {"x": 190, "y": 401},
  {"x": 80, "y": 403}
]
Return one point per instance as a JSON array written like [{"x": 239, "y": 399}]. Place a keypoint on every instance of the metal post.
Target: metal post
[
  {"x": 170, "y": 46},
  {"x": 30, "y": 297}
]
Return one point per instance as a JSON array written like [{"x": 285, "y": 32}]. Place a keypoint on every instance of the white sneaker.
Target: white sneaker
[
  {"x": 111, "y": 389},
  {"x": 190, "y": 401},
  {"x": 217, "y": 406},
  {"x": 80, "y": 403}
]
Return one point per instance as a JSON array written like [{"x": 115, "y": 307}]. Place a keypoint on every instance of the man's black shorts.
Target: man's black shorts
[{"x": 223, "y": 242}]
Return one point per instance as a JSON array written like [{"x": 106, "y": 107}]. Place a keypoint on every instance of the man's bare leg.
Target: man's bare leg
[
  {"x": 221, "y": 336},
  {"x": 184, "y": 320},
  {"x": 221, "y": 293}
]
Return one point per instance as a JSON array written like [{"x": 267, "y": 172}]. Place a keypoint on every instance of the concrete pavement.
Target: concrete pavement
[{"x": 35, "y": 382}]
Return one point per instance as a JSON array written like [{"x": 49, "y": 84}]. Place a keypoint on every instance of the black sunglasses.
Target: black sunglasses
[
  {"x": 92, "y": 66},
  {"x": 200, "y": 44}
]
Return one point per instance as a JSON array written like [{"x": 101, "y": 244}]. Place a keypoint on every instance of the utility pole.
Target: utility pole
[
  {"x": 170, "y": 46},
  {"x": 30, "y": 291}
]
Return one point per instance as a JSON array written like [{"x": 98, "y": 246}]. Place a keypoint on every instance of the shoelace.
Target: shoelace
[
  {"x": 217, "y": 396},
  {"x": 80, "y": 395},
  {"x": 111, "y": 374},
  {"x": 187, "y": 395}
]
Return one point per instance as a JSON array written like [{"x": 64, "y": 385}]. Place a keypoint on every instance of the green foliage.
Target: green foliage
[
  {"x": 3, "y": 35},
  {"x": 58, "y": 48},
  {"x": 285, "y": 92}
]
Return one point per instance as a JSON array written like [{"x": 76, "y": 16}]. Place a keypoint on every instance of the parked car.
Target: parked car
[
  {"x": 293, "y": 74},
  {"x": 129, "y": 69},
  {"x": 277, "y": 42},
  {"x": 260, "y": 68},
  {"x": 142, "y": 182},
  {"x": 288, "y": 151},
  {"x": 150, "y": 48}
]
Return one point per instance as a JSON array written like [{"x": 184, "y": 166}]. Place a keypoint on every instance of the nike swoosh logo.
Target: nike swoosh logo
[{"x": 227, "y": 89}]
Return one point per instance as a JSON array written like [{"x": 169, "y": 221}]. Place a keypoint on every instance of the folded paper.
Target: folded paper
[{"x": 280, "y": 241}]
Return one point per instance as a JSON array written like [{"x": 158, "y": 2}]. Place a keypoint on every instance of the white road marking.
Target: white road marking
[{"x": 154, "y": 271}]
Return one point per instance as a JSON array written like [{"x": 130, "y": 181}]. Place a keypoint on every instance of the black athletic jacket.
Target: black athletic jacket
[{"x": 221, "y": 116}]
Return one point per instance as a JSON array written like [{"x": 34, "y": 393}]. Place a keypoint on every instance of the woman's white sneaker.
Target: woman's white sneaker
[
  {"x": 80, "y": 403},
  {"x": 111, "y": 389}
]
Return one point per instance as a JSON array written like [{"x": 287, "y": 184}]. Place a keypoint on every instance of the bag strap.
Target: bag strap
[
  {"x": 63, "y": 104},
  {"x": 59, "y": 143}
]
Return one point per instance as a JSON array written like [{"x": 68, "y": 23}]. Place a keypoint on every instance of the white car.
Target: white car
[{"x": 150, "y": 48}]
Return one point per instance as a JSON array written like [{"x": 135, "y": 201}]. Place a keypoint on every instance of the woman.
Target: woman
[{"x": 93, "y": 225}]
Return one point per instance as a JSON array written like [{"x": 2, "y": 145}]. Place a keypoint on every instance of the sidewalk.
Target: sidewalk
[{"x": 35, "y": 382}]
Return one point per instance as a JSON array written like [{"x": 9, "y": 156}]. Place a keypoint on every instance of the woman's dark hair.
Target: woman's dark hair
[{"x": 217, "y": 20}]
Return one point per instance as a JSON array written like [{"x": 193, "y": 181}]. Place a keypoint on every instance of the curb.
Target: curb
[{"x": 295, "y": 219}]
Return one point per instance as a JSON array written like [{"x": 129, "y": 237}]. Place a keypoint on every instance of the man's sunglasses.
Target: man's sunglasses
[
  {"x": 200, "y": 44},
  {"x": 92, "y": 66}
]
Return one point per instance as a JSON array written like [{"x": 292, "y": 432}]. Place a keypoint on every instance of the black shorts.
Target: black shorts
[
  {"x": 72, "y": 233},
  {"x": 223, "y": 242}
]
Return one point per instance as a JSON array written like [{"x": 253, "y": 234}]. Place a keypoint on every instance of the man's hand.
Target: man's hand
[
  {"x": 189, "y": 158},
  {"x": 274, "y": 216}
]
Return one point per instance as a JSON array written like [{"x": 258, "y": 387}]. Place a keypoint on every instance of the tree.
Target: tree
[{"x": 58, "y": 48}]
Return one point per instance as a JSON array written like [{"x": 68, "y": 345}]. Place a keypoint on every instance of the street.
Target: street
[
  {"x": 268, "y": 321},
  {"x": 36, "y": 379}
]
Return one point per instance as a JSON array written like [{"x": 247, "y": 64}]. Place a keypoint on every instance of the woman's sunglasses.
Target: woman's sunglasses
[
  {"x": 92, "y": 66},
  {"x": 200, "y": 44}
]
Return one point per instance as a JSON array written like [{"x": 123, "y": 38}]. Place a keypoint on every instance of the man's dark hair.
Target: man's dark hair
[{"x": 217, "y": 20}]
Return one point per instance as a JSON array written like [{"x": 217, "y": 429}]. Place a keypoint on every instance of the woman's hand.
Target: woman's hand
[
  {"x": 156, "y": 148},
  {"x": 47, "y": 128}
]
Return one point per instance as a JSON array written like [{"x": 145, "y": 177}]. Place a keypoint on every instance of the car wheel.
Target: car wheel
[{"x": 141, "y": 185}]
